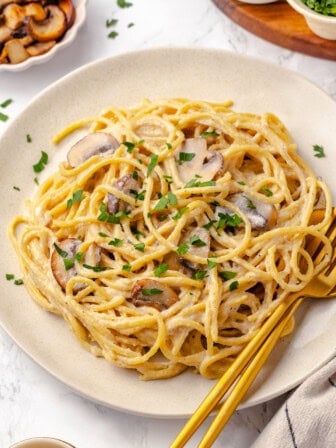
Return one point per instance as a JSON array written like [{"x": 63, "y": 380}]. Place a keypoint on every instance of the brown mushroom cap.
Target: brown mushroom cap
[
  {"x": 62, "y": 276},
  {"x": 14, "y": 15},
  {"x": 161, "y": 301},
  {"x": 201, "y": 248},
  {"x": 204, "y": 163},
  {"x": 92, "y": 145},
  {"x": 16, "y": 52},
  {"x": 40, "y": 48},
  {"x": 127, "y": 185},
  {"x": 5, "y": 34},
  {"x": 69, "y": 10},
  {"x": 52, "y": 28},
  {"x": 262, "y": 215}
]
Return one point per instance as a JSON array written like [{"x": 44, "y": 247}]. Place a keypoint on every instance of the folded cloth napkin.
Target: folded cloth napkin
[{"x": 307, "y": 419}]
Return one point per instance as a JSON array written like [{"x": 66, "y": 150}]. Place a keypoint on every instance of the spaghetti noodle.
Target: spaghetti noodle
[{"x": 171, "y": 233}]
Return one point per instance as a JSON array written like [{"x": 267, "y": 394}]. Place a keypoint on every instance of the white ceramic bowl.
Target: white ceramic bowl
[
  {"x": 42, "y": 442},
  {"x": 64, "y": 42},
  {"x": 323, "y": 26}
]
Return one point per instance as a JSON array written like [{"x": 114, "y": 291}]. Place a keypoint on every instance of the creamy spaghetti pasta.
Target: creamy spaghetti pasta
[{"x": 171, "y": 233}]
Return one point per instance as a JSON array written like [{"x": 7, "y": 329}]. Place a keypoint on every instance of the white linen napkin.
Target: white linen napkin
[{"x": 307, "y": 419}]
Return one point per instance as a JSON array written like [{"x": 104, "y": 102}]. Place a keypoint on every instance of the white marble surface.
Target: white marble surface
[{"x": 33, "y": 403}]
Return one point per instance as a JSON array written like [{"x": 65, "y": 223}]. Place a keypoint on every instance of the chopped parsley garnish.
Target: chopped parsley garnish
[
  {"x": 28, "y": 138},
  {"x": 165, "y": 200},
  {"x": 196, "y": 183},
  {"x": 152, "y": 164},
  {"x": 3, "y": 117},
  {"x": 68, "y": 263},
  {"x": 169, "y": 146},
  {"x": 138, "y": 196},
  {"x": 124, "y": 4},
  {"x": 180, "y": 213},
  {"x": 135, "y": 175},
  {"x": 212, "y": 264},
  {"x": 6, "y": 103},
  {"x": 161, "y": 269},
  {"x": 325, "y": 7},
  {"x": 111, "y": 218},
  {"x": 241, "y": 182},
  {"x": 267, "y": 191},
  {"x": 111, "y": 22},
  {"x": 140, "y": 247},
  {"x": 168, "y": 179},
  {"x": 130, "y": 25},
  {"x": 250, "y": 204},
  {"x": 227, "y": 275},
  {"x": 130, "y": 146},
  {"x": 16, "y": 188},
  {"x": 76, "y": 197},
  {"x": 171, "y": 198},
  {"x": 36, "y": 180},
  {"x": 60, "y": 252},
  {"x": 208, "y": 225},
  {"x": 40, "y": 165},
  {"x": 162, "y": 203},
  {"x": 103, "y": 235},
  {"x": 95, "y": 268},
  {"x": 112, "y": 35},
  {"x": 182, "y": 249},
  {"x": 18, "y": 282},
  {"x": 199, "y": 275},
  {"x": 234, "y": 285},
  {"x": 185, "y": 157},
  {"x": 319, "y": 151},
  {"x": 151, "y": 291},
  {"x": 209, "y": 134},
  {"x": 116, "y": 242},
  {"x": 9, "y": 276},
  {"x": 127, "y": 267},
  {"x": 196, "y": 241},
  {"x": 225, "y": 219}
]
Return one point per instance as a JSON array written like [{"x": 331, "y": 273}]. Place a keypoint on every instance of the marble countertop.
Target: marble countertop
[{"x": 32, "y": 402}]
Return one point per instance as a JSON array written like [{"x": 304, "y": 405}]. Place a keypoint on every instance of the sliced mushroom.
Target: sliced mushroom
[
  {"x": 149, "y": 292},
  {"x": 261, "y": 215},
  {"x": 70, "y": 247},
  {"x": 99, "y": 143},
  {"x": 69, "y": 10},
  {"x": 36, "y": 11},
  {"x": 3, "y": 56},
  {"x": 5, "y": 34},
  {"x": 93, "y": 255},
  {"x": 14, "y": 15},
  {"x": 52, "y": 28},
  {"x": 176, "y": 263},
  {"x": 127, "y": 185},
  {"x": 16, "y": 51},
  {"x": 199, "y": 245},
  {"x": 204, "y": 163},
  {"x": 40, "y": 47}
]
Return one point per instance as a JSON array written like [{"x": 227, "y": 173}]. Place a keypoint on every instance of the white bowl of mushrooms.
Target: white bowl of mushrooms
[{"x": 32, "y": 31}]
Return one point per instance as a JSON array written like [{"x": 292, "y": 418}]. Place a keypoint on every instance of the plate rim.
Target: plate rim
[{"x": 111, "y": 60}]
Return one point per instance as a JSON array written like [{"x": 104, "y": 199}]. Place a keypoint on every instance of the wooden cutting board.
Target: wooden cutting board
[{"x": 280, "y": 24}]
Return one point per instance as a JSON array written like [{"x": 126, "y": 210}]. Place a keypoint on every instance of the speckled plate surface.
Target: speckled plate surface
[{"x": 254, "y": 86}]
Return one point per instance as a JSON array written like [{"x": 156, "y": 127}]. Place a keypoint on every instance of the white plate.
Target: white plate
[
  {"x": 255, "y": 86},
  {"x": 66, "y": 40}
]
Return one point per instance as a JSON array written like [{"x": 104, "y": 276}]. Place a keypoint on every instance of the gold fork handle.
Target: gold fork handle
[
  {"x": 229, "y": 377},
  {"x": 242, "y": 386}
]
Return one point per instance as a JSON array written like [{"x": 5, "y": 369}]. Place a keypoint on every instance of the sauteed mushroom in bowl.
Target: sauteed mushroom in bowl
[{"x": 32, "y": 32}]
